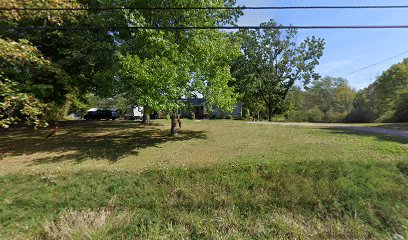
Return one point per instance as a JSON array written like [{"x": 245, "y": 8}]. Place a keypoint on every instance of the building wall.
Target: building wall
[{"x": 236, "y": 112}]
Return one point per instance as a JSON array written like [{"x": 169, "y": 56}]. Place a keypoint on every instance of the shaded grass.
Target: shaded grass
[
  {"x": 96, "y": 140},
  {"x": 316, "y": 199}
]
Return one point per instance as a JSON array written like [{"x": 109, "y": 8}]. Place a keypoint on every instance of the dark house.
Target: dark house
[{"x": 201, "y": 110}]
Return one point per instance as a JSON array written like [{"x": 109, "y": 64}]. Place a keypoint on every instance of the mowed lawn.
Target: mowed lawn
[{"x": 215, "y": 180}]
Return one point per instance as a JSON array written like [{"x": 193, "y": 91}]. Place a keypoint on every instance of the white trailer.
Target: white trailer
[{"x": 134, "y": 113}]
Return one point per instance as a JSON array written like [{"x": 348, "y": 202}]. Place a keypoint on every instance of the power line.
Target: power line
[
  {"x": 375, "y": 64},
  {"x": 199, "y": 27},
  {"x": 207, "y": 8}
]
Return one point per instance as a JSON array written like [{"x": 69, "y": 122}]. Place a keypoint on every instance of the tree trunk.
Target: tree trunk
[
  {"x": 146, "y": 117},
  {"x": 174, "y": 123},
  {"x": 258, "y": 116},
  {"x": 270, "y": 113},
  {"x": 64, "y": 111}
]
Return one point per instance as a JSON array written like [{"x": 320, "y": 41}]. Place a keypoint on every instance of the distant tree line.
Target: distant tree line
[
  {"x": 331, "y": 99},
  {"x": 385, "y": 100}
]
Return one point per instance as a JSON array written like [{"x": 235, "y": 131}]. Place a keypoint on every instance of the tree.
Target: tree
[
  {"x": 401, "y": 108},
  {"x": 330, "y": 94},
  {"x": 86, "y": 60},
  {"x": 159, "y": 68},
  {"x": 272, "y": 62},
  {"x": 383, "y": 100}
]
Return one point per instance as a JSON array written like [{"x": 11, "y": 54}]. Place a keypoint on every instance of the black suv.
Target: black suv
[{"x": 101, "y": 114}]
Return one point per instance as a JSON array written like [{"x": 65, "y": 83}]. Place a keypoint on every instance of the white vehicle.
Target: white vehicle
[{"x": 134, "y": 113}]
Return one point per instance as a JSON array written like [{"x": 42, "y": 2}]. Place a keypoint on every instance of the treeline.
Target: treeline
[
  {"x": 326, "y": 100},
  {"x": 331, "y": 99},
  {"x": 386, "y": 100}
]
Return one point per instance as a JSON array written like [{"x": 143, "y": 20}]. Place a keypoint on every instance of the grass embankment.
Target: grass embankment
[{"x": 225, "y": 180}]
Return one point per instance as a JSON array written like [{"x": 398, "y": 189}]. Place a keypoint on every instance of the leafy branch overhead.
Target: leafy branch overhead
[{"x": 18, "y": 107}]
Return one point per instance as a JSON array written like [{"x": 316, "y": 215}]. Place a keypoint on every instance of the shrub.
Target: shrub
[
  {"x": 315, "y": 115},
  {"x": 334, "y": 117},
  {"x": 279, "y": 118},
  {"x": 296, "y": 116}
]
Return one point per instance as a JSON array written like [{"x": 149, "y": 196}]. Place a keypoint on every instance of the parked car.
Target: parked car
[
  {"x": 102, "y": 114},
  {"x": 134, "y": 113}
]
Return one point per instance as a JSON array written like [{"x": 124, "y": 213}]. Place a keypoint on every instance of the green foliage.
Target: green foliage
[
  {"x": 56, "y": 65},
  {"x": 384, "y": 100},
  {"x": 315, "y": 115},
  {"x": 363, "y": 110},
  {"x": 161, "y": 67},
  {"x": 271, "y": 64},
  {"x": 17, "y": 107},
  {"x": 330, "y": 94},
  {"x": 401, "y": 108},
  {"x": 41, "y": 17},
  {"x": 326, "y": 100},
  {"x": 35, "y": 75},
  {"x": 154, "y": 83}
]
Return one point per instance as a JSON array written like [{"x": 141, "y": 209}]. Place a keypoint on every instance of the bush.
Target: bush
[
  {"x": 334, "y": 117},
  {"x": 279, "y": 118},
  {"x": 360, "y": 115},
  {"x": 315, "y": 115},
  {"x": 296, "y": 116}
]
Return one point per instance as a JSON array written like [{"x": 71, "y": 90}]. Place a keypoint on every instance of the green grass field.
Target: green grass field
[{"x": 215, "y": 180}]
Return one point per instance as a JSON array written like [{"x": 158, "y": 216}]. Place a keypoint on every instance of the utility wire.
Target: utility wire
[
  {"x": 17, "y": 28},
  {"x": 375, "y": 64},
  {"x": 206, "y": 8}
]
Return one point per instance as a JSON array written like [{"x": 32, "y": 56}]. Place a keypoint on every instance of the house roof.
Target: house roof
[{"x": 194, "y": 101}]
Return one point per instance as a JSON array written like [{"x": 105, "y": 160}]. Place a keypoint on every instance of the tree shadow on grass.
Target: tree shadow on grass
[
  {"x": 79, "y": 141},
  {"x": 356, "y": 132}
]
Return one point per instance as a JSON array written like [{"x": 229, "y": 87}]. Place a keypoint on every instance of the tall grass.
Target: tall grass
[{"x": 311, "y": 200}]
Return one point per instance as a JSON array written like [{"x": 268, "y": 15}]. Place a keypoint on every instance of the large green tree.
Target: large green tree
[
  {"x": 272, "y": 62},
  {"x": 162, "y": 67},
  {"x": 81, "y": 61}
]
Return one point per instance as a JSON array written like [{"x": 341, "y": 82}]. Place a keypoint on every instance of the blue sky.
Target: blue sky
[{"x": 346, "y": 50}]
